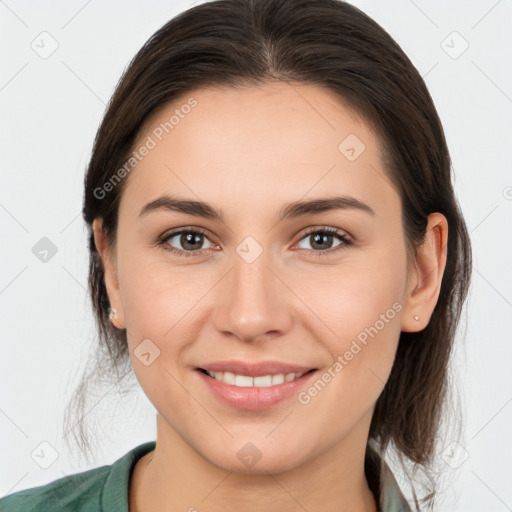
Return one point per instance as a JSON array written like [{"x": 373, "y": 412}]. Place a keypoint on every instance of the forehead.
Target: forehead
[{"x": 245, "y": 146}]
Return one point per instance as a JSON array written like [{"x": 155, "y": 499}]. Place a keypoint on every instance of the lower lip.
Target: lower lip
[{"x": 254, "y": 398}]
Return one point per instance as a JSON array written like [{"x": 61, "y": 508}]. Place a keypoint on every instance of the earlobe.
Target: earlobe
[
  {"x": 425, "y": 281},
  {"x": 110, "y": 274}
]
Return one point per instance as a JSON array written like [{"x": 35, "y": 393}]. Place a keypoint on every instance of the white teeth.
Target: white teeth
[
  {"x": 244, "y": 381},
  {"x": 263, "y": 382},
  {"x": 227, "y": 377},
  {"x": 277, "y": 379}
]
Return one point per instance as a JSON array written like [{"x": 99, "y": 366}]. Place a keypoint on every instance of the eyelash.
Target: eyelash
[{"x": 162, "y": 241}]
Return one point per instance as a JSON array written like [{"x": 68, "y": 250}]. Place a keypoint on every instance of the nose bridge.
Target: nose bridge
[{"x": 253, "y": 302}]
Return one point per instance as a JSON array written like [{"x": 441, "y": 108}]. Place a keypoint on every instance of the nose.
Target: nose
[{"x": 254, "y": 303}]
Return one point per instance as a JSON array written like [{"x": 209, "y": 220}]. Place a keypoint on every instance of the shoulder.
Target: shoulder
[
  {"x": 103, "y": 488},
  {"x": 78, "y": 492}
]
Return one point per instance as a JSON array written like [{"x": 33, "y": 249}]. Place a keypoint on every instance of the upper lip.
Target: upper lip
[{"x": 255, "y": 369}]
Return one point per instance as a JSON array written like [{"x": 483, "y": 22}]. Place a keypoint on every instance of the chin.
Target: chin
[{"x": 253, "y": 458}]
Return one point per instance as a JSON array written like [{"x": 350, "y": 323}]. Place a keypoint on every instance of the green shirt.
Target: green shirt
[{"x": 105, "y": 489}]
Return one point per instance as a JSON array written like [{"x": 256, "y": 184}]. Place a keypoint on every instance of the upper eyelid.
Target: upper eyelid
[{"x": 328, "y": 229}]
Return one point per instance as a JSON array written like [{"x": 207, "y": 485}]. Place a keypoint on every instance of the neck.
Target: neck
[{"x": 179, "y": 477}]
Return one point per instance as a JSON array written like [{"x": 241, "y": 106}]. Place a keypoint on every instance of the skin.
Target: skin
[{"x": 249, "y": 152}]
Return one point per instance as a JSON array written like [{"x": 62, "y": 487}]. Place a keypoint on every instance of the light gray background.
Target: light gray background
[{"x": 50, "y": 111}]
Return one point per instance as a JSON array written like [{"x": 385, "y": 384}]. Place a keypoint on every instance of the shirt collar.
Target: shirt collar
[
  {"x": 380, "y": 480},
  {"x": 383, "y": 484}
]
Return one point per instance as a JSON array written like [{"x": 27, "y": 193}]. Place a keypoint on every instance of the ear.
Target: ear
[
  {"x": 110, "y": 271},
  {"x": 425, "y": 279}
]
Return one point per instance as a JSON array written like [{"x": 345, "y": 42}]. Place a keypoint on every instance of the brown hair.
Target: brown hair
[{"x": 334, "y": 45}]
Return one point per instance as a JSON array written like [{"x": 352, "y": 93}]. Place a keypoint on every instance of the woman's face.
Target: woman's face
[{"x": 259, "y": 282}]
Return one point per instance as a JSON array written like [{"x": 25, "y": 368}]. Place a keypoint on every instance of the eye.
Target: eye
[
  {"x": 189, "y": 242},
  {"x": 321, "y": 241}
]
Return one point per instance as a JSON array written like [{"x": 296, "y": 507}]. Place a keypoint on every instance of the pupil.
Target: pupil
[
  {"x": 188, "y": 239},
  {"x": 318, "y": 237}
]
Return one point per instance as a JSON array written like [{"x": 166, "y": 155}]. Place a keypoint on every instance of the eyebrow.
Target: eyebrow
[{"x": 290, "y": 211}]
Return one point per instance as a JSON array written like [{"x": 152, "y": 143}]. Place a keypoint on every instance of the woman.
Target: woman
[{"x": 276, "y": 248}]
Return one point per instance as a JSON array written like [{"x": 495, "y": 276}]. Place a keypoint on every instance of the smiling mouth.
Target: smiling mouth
[{"x": 246, "y": 381}]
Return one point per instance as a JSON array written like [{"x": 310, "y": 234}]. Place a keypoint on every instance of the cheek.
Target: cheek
[
  {"x": 162, "y": 306},
  {"x": 352, "y": 296},
  {"x": 155, "y": 293},
  {"x": 359, "y": 305},
  {"x": 362, "y": 354}
]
